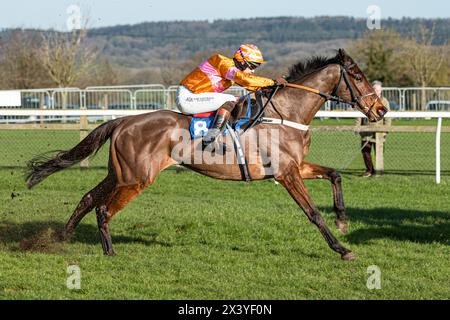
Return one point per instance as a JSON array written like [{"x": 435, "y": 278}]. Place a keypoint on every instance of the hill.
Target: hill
[
  {"x": 163, "y": 52},
  {"x": 278, "y": 37}
]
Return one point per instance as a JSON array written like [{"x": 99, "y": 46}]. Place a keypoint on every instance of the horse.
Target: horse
[{"x": 143, "y": 145}]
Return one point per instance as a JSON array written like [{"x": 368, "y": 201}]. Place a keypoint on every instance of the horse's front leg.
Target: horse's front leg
[
  {"x": 315, "y": 171},
  {"x": 290, "y": 178}
]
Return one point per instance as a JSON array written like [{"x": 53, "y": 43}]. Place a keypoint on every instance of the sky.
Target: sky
[{"x": 47, "y": 14}]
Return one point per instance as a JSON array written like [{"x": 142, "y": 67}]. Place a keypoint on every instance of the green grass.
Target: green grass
[
  {"x": 191, "y": 237},
  {"x": 407, "y": 153}
]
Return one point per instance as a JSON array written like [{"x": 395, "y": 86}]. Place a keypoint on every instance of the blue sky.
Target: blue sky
[{"x": 52, "y": 14}]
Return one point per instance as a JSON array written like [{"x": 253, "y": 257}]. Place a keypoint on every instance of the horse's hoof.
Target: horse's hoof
[
  {"x": 60, "y": 237},
  {"x": 342, "y": 226},
  {"x": 111, "y": 253},
  {"x": 349, "y": 256}
]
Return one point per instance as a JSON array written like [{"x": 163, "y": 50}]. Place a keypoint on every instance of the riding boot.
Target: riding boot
[{"x": 218, "y": 126}]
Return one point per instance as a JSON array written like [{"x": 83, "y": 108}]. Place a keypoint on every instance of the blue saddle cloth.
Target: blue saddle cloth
[{"x": 199, "y": 126}]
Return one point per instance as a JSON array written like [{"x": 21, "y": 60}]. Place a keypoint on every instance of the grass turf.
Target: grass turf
[{"x": 191, "y": 237}]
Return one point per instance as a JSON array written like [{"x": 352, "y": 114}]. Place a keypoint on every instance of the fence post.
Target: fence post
[
  {"x": 169, "y": 101},
  {"x": 104, "y": 105},
  {"x": 41, "y": 107},
  {"x": 379, "y": 153},
  {"x": 83, "y": 134},
  {"x": 402, "y": 100}
]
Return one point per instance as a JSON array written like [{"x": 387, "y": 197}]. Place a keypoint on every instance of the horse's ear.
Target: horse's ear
[{"x": 344, "y": 57}]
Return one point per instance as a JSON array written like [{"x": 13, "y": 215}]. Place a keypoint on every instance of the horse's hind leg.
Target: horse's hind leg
[
  {"x": 103, "y": 227},
  {"x": 135, "y": 170},
  {"x": 290, "y": 178},
  {"x": 118, "y": 199},
  {"x": 315, "y": 171},
  {"x": 89, "y": 201}
]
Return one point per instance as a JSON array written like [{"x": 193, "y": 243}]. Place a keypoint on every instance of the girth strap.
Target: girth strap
[{"x": 287, "y": 123}]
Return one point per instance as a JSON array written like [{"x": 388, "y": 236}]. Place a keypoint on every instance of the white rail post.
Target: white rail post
[
  {"x": 438, "y": 151},
  {"x": 379, "y": 153}
]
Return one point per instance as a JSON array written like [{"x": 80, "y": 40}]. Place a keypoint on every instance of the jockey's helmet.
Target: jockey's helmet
[{"x": 249, "y": 55}]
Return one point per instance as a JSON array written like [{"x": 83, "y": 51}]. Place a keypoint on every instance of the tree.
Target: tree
[
  {"x": 103, "y": 74},
  {"x": 402, "y": 61},
  {"x": 142, "y": 76},
  {"x": 20, "y": 66},
  {"x": 65, "y": 57},
  {"x": 379, "y": 53},
  {"x": 172, "y": 70},
  {"x": 425, "y": 59}
]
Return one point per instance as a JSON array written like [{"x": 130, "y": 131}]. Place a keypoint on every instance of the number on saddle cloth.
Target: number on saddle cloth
[{"x": 202, "y": 122}]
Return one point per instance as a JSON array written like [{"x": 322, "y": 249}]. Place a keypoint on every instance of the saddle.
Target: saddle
[{"x": 244, "y": 113}]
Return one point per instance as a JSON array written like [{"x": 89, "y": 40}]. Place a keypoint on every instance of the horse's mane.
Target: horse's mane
[{"x": 309, "y": 65}]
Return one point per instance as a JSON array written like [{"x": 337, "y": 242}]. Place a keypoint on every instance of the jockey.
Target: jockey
[{"x": 201, "y": 91}]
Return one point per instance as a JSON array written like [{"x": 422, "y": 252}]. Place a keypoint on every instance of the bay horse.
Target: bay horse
[{"x": 142, "y": 146}]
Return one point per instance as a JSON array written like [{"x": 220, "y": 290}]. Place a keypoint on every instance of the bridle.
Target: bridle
[{"x": 355, "y": 99}]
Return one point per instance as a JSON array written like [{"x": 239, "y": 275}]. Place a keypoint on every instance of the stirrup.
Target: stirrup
[
  {"x": 218, "y": 126},
  {"x": 210, "y": 137},
  {"x": 215, "y": 145}
]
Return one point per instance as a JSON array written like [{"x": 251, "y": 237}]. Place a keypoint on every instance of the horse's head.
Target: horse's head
[{"x": 353, "y": 86}]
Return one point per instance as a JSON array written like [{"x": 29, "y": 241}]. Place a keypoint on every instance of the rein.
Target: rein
[
  {"x": 261, "y": 112},
  {"x": 356, "y": 100},
  {"x": 334, "y": 96},
  {"x": 322, "y": 94}
]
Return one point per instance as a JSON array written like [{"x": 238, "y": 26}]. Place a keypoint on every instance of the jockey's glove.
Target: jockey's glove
[{"x": 281, "y": 82}]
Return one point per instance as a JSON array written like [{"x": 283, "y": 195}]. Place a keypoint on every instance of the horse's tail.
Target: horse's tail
[{"x": 41, "y": 166}]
